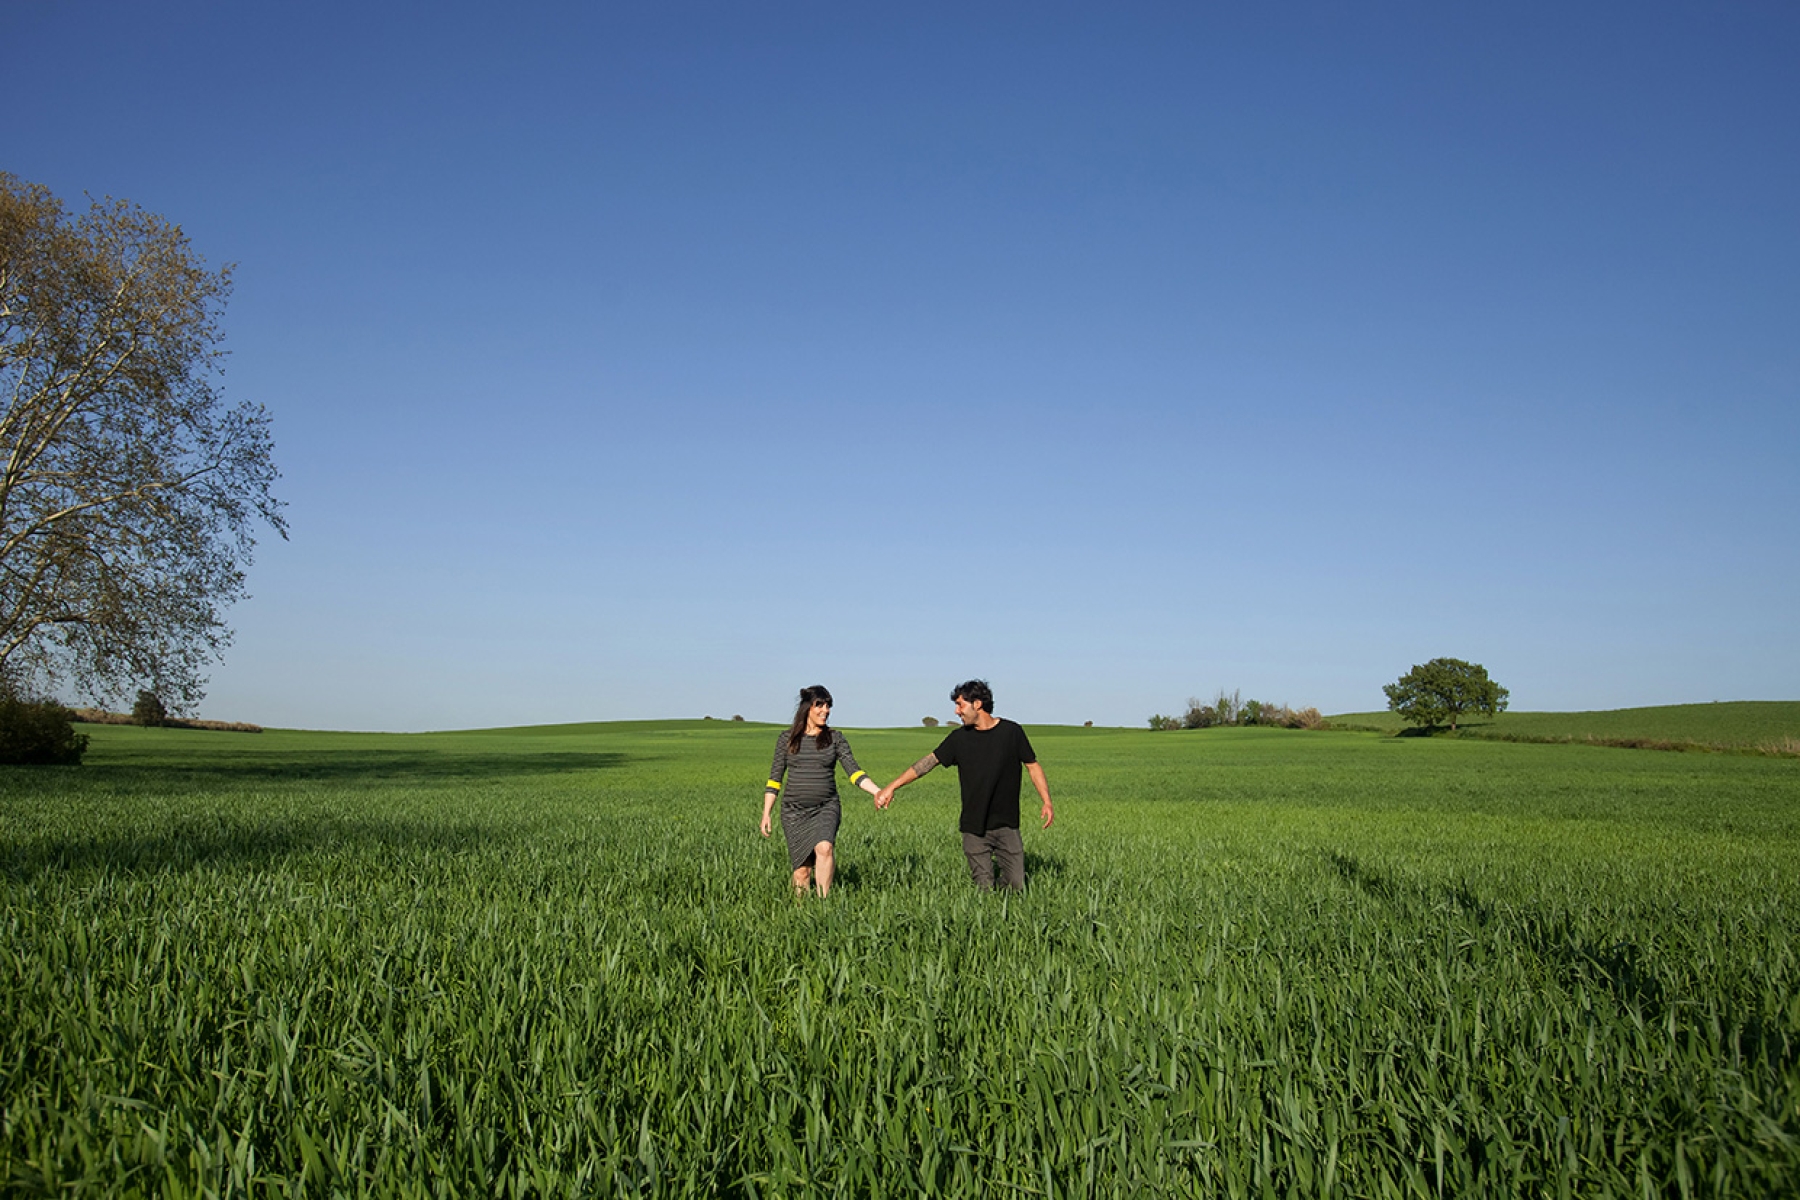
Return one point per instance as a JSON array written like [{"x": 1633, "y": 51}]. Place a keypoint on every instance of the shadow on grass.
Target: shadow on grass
[
  {"x": 351, "y": 768},
  {"x": 1619, "y": 966},
  {"x": 1444, "y": 731},
  {"x": 231, "y": 835},
  {"x": 889, "y": 871},
  {"x": 191, "y": 843}
]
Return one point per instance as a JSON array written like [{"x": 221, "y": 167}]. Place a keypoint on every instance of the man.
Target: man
[{"x": 987, "y": 752}]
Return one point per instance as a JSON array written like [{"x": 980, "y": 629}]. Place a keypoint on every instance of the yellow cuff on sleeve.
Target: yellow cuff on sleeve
[
  {"x": 774, "y": 785},
  {"x": 857, "y": 776}
]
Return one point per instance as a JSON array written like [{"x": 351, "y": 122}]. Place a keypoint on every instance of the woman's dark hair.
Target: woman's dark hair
[
  {"x": 809, "y": 696},
  {"x": 976, "y": 691}
]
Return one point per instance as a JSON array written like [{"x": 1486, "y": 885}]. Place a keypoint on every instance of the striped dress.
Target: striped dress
[{"x": 806, "y": 781}]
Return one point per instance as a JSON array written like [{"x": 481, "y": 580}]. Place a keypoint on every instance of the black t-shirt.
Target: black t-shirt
[{"x": 988, "y": 767}]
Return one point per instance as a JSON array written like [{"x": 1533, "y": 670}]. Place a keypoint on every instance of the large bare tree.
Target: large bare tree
[{"x": 130, "y": 490}]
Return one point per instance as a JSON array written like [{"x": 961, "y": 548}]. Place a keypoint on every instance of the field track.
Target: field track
[{"x": 560, "y": 961}]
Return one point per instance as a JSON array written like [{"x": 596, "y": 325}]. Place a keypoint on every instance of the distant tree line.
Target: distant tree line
[
  {"x": 149, "y": 711},
  {"x": 1435, "y": 694},
  {"x": 1229, "y": 708}
]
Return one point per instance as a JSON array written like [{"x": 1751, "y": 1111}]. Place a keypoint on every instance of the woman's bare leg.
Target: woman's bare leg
[{"x": 822, "y": 853}]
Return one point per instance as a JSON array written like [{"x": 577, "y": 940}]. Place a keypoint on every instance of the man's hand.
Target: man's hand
[
  {"x": 1036, "y": 771},
  {"x": 885, "y": 796}
]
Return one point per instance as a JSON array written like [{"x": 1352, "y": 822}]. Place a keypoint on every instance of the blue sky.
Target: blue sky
[{"x": 638, "y": 360}]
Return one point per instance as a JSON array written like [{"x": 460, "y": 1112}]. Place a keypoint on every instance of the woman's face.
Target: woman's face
[{"x": 819, "y": 714}]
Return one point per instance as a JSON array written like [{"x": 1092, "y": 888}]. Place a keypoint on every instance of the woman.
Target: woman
[{"x": 807, "y": 755}]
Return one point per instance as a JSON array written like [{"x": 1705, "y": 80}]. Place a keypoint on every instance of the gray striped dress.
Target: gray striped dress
[{"x": 810, "y": 808}]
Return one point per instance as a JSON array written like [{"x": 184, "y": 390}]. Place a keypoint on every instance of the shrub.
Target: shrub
[
  {"x": 38, "y": 733},
  {"x": 149, "y": 710},
  {"x": 930, "y": 722},
  {"x": 736, "y": 717},
  {"x": 1087, "y": 724},
  {"x": 1230, "y": 709}
]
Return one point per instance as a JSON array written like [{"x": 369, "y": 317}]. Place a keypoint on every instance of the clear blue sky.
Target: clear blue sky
[{"x": 648, "y": 360}]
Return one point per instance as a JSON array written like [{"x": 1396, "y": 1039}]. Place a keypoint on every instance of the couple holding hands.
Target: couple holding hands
[{"x": 988, "y": 753}]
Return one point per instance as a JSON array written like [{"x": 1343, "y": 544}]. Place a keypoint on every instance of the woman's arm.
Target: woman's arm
[
  {"x": 858, "y": 776},
  {"x": 772, "y": 789}
]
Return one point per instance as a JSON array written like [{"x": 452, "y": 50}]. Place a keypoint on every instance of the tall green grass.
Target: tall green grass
[{"x": 561, "y": 962}]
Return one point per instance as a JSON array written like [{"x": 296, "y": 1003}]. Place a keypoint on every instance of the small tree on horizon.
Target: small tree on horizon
[
  {"x": 1443, "y": 690},
  {"x": 149, "y": 710}
]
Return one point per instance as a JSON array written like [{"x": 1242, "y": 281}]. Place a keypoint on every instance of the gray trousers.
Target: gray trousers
[{"x": 1003, "y": 846}]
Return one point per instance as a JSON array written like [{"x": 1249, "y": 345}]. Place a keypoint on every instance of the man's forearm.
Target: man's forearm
[{"x": 912, "y": 773}]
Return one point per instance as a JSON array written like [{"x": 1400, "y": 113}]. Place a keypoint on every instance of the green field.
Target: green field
[
  {"x": 1769, "y": 726},
  {"x": 560, "y": 961}
]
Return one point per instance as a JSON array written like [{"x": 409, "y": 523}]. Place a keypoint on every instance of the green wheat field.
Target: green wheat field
[{"x": 560, "y": 962}]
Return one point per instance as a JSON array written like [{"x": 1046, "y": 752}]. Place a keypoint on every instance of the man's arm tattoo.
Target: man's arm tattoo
[{"x": 924, "y": 765}]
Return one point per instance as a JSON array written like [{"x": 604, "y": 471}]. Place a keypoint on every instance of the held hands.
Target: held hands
[{"x": 884, "y": 797}]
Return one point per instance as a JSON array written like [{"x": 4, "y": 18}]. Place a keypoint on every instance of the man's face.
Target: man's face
[{"x": 966, "y": 712}]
